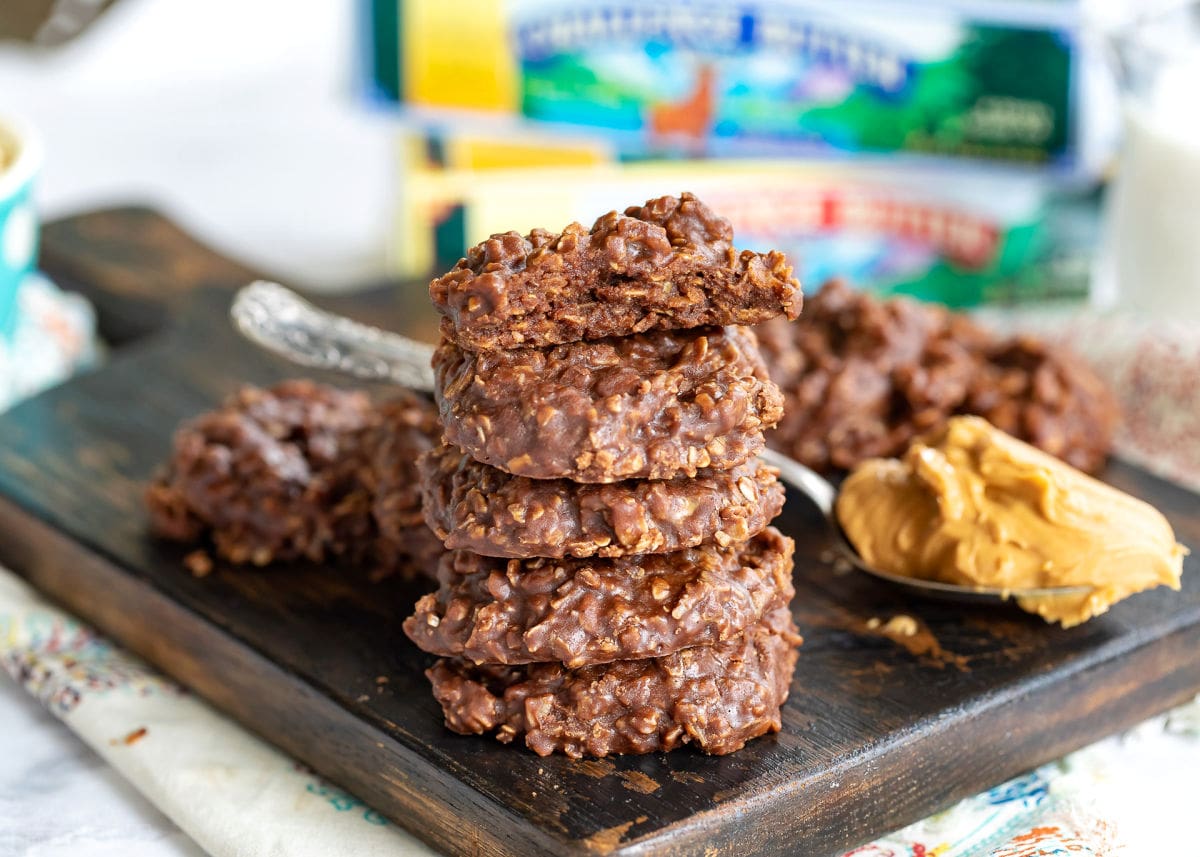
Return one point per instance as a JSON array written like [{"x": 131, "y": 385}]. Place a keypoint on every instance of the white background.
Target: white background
[{"x": 238, "y": 117}]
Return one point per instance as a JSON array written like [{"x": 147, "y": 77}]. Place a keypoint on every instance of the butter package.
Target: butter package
[
  {"x": 955, "y": 78},
  {"x": 961, "y": 238}
]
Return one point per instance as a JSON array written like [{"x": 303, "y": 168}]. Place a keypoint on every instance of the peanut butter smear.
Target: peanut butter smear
[{"x": 975, "y": 506}]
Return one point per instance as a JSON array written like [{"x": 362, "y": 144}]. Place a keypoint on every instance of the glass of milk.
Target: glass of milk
[{"x": 1150, "y": 262}]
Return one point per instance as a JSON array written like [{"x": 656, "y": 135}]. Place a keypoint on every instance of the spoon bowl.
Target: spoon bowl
[
  {"x": 279, "y": 320},
  {"x": 823, "y": 493}
]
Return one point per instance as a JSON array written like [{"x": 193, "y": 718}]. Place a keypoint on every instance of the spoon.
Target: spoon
[{"x": 279, "y": 320}]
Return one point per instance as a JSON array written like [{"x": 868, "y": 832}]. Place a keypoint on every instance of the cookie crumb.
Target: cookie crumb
[
  {"x": 130, "y": 739},
  {"x": 902, "y": 626},
  {"x": 199, "y": 563}
]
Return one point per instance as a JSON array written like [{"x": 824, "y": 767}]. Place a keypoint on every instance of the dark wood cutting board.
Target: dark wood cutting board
[{"x": 875, "y": 734}]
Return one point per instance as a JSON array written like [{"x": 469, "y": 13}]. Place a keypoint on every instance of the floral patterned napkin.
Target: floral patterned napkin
[{"x": 231, "y": 792}]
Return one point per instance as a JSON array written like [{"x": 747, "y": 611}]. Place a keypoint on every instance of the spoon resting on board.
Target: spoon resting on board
[{"x": 280, "y": 321}]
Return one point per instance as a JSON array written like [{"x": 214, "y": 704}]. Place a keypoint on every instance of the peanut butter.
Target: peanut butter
[{"x": 972, "y": 505}]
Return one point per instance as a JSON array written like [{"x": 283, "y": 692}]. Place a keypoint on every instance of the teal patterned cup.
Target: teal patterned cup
[{"x": 20, "y": 160}]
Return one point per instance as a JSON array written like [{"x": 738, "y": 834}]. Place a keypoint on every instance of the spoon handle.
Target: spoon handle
[{"x": 281, "y": 321}]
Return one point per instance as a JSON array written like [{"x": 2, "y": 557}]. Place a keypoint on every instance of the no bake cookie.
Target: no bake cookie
[
  {"x": 264, "y": 475},
  {"x": 591, "y": 611},
  {"x": 715, "y": 697},
  {"x": 668, "y": 264},
  {"x": 302, "y": 471},
  {"x": 651, "y": 406},
  {"x": 479, "y": 508},
  {"x": 862, "y": 377}
]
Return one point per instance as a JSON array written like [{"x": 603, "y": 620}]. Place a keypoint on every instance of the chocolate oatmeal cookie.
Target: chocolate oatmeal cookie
[
  {"x": 264, "y": 475},
  {"x": 651, "y": 406},
  {"x": 591, "y": 611},
  {"x": 1046, "y": 397},
  {"x": 482, "y": 509},
  {"x": 302, "y": 471},
  {"x": 863, "y": 377},
  {"x": 668, "y": 264},
  {"x": 717, "y": 697}
]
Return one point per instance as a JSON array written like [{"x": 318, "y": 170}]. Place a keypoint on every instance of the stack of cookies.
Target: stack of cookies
[{"x": 611, "y": 584}]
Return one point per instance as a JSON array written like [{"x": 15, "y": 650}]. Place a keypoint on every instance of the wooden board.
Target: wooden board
[{"x": 875, "y": 734}]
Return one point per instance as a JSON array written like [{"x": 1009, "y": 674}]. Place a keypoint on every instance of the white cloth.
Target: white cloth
[{"x": 59, "y": 799}]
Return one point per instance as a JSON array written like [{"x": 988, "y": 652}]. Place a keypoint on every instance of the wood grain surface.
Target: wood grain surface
[{"x": 876, "y": 734}]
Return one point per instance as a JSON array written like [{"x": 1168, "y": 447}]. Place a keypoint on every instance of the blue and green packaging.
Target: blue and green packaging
[{"x": 987, "y": 79}]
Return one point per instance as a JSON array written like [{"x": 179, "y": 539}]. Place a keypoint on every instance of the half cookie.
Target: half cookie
[{"x": 668, "y": 264}]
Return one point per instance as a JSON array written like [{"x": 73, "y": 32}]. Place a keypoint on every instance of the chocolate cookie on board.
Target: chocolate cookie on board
[
  {"x": 863, "y": 377},
  {"x": 651, "y": 406},
  {"x": 263, "y": 475},
  {"x": 302, "y": 471},
  {"x": 479, "y": 508},
  {"x": 715, "y": 697},
  {"x": 668, "y": 264},
  {"x": 1047, "y": 397},
  {"x": 591, "y": 611}
]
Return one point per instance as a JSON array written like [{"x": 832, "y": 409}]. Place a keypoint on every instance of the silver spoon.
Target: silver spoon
[{"x": 279, "y": 320}]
